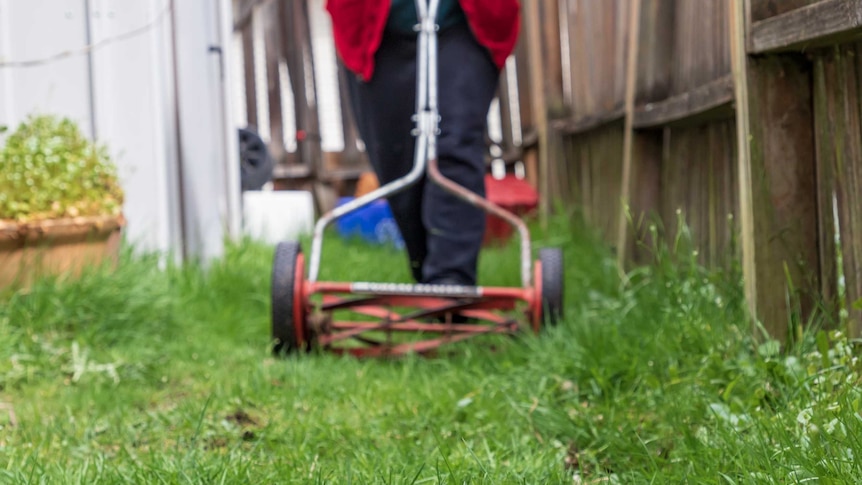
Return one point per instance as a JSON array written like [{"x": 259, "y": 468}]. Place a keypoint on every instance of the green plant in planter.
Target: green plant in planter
[{"x": 50, "y": 170}]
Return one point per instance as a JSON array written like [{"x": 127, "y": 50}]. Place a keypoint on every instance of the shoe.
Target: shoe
[{"x": 460, "y": 318}]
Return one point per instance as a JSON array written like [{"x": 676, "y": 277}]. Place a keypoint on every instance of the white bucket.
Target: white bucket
[{"x": 273, "y": 216}]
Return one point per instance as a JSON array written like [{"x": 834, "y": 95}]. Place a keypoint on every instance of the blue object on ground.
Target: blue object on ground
[{"x": 373, "y": 223}]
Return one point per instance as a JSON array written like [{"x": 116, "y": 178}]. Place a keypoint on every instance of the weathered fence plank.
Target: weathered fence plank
[
  {"x": 273, "y": 55},
  {"x": 655, "y": 58},
  {"x": 594, "y": 165},
  {"x": 248, "y": 68},
  {"x": 818, "y": 24},
  {"x": 243, "y": 11},
  {"x": 783, "y": 188},
  {"x": 840, "y": 126},
  {"x": 699, "y": 36},
  {"x": 549, "y": 19},
  {"x": 762, "y": 9},
  {"x": 698, "y": 181},
  {"x": 700, "y": 100},
  {"x": 645, "y": 199},
  {"x": 574, "y": 126},
  {"x": 825, "y": 144},
  {"x": 294, "y": 18},
  {"x": 655, "y": 50},
  {"x": 850, "y": 196},
  {"x": 597, "y": 45},
  {"x": 850, "y": 191}
]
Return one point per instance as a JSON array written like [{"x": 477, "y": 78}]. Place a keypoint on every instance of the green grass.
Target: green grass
[{"x": 153, "y": 375}]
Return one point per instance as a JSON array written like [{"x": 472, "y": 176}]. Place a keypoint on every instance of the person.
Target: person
[{"x": 377, "y": 43}]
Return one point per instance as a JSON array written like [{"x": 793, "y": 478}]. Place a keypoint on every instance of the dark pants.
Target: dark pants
[{"x": 442, "y": 234}]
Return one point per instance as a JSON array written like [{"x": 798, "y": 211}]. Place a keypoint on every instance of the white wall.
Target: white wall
[
  {"x": 207, "y": 133},
  {"x": 181, "y": 180}
]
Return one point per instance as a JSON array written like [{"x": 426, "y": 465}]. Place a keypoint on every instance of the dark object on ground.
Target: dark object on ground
[{"x": 254, "y": 159}]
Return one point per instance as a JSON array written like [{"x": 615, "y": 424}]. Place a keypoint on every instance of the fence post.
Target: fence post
[
  {"x": 537, "y": 95},
  {"x": 296, "y": 48}
]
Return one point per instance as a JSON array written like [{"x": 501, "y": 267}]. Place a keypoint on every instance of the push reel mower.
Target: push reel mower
[{"x": 371, "y": 319}]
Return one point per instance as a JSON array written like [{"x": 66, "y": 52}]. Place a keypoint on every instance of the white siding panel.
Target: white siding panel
[
  {"x": 37, "y": 29},
  {"x": 133, "y": 115}
]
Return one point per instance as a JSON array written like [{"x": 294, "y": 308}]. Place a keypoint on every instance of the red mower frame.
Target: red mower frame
[{"x": 364, "y": 319}]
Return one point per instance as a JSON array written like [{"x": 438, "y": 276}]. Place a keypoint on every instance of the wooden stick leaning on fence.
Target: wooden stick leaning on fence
[{"x": 628, "y": 134}]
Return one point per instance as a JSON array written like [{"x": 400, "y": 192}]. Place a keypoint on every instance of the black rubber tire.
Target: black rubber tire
[
  {"x": 552, "y": 285},
  {"x": 283, "y": 288},
  {"x": 254, "y": 160}
]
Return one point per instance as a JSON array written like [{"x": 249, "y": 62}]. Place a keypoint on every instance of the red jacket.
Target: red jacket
[{"x": 358, "y": 25}]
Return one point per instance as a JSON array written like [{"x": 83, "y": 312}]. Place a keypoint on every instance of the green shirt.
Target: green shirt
[{"x": 403, "y": 16}]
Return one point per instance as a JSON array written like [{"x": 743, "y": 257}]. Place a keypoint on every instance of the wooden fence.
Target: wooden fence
[
  {"x": 280, "y": 96},
  {"x": 742, "y": 117}
]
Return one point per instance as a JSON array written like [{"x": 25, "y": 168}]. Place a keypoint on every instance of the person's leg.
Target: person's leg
[
  {"x": 383, "y": 108},
  {"x": 467, "y": 82}
]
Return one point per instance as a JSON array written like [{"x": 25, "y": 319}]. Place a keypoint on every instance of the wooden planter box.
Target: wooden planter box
[{"x": 59, "y": 247}]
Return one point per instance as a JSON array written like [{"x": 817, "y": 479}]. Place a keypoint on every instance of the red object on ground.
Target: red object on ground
[
  {"x": 357, "y": 26},
  {"x": 513, "y": 194}
]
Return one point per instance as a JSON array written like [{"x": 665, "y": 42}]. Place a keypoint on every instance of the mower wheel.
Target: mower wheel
[
  {"x": 287, "y": 314},
  {"x": 552, "y": 285}
]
